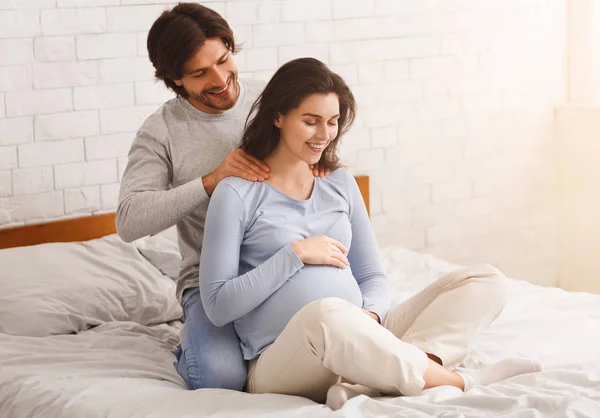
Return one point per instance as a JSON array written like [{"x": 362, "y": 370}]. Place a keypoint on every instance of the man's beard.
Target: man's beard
[{"x": 206, "y": 99}]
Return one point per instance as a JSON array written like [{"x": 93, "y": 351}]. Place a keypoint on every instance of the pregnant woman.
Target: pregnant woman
[{"x": 294, "y": 264}]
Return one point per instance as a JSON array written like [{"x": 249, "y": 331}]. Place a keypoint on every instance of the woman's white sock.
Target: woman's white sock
[
  {"x": 496, "y": 372},
  {"x": 337, "y": 395}
]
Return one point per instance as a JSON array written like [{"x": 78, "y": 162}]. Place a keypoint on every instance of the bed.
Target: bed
[{"x": 88, "y": 324}]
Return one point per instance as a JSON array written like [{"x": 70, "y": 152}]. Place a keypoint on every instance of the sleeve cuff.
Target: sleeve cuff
[
  {"x": 381, "y": 309},
  {"x": 296, "y": 263}
]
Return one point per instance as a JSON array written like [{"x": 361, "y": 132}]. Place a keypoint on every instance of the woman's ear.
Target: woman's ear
[{"x": 277, "y": 121}]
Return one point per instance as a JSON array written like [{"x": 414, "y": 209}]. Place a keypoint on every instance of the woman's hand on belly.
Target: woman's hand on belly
[{"x": 321, "y": 250}]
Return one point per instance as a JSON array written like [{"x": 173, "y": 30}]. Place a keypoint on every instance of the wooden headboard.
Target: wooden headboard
[{"x": 89, "y": 227}]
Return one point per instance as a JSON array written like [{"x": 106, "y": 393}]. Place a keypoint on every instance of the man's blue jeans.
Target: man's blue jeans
[{"x": 210, "y": 356}]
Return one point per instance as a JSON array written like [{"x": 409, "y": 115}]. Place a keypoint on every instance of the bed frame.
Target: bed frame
[{"x": 90, "y": 227}]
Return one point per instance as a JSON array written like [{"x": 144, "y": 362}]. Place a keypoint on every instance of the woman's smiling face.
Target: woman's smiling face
[{"x": 307, "y": 130}]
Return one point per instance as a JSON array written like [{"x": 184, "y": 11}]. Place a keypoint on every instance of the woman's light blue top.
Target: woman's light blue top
[{"x": 249, "y": 273}]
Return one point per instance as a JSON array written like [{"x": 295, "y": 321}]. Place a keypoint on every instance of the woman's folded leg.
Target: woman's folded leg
[
  {"x": 445, "y": 317},
  {"x": 329, "y": 339}
]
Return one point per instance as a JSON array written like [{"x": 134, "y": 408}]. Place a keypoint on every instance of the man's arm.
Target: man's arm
[{"x": 146, "y": 205}]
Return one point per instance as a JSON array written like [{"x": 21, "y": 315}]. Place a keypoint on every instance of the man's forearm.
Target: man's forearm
[{"x": 149, "y": 212}]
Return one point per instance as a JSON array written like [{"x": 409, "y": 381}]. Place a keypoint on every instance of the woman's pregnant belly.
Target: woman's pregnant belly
[{"x": 262, "y": 326}]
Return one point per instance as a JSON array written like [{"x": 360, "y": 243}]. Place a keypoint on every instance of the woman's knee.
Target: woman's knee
[
  {"x": 498, "y": 279},
  {"x": 496, "y": 284}
]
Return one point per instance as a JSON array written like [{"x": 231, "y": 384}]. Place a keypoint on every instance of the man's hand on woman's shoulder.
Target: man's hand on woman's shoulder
[
  {"x": 237, "y": 164},
  {"x": 319, "y": 170}
]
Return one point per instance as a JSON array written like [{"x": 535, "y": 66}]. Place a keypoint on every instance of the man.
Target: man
[{"x": 178, "y": 157}]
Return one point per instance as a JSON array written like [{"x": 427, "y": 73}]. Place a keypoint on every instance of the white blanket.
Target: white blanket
[{"x": 122, "y": 369}]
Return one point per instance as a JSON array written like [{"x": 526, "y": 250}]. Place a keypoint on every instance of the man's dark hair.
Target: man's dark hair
[{"x": 178, "y": 33}]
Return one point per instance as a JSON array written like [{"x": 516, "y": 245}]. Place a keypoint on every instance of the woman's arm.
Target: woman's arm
[
  {"x": 364, "y": 256},
  {"x": 226, "y": 295}
]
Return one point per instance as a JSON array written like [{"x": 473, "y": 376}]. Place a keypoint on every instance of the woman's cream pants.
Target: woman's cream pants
[{"x": 331, "y": 339}]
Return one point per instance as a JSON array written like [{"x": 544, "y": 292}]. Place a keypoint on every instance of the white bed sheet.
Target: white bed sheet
[{"x": 125, "y": 370}]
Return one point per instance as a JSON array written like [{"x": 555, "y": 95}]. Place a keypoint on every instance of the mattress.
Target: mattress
[{"x": 123, "y": 369}]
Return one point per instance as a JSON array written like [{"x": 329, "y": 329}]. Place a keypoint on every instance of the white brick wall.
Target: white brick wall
[
  {"x": 16, "y": 78},
  {"x": 32, "y": 206},
  {"x": 73, "y": 21},
  {"x": 5, "y": 183},
  {"x": 454, "y": 122},
  {"x": 124, "y": 119},
  {"x": 103, "y": 97},
  {"x": 66, "y": 125},
  {"x": 17, "y": 24},
  {"x": 16, "y": 51},
  {"x": 109, "y": 195},
  {"x": 38, "y": 102},
  {"x": 121, "y": 70},
  {"x": 54, "y": 49},
  {"x": 50, "y": 153},
  {"x": 64, "y": 74},
  {"x": 109, "y": 45},
  {"x": 8, "y": 157},
  {"x": 86, "y": 199},
  {"x": 32, "y": 180},
  {"x": 16, "y": 130},
  {"x": 85, "y": 174},
  {"x": 132, "y": 18},
  {"x": 108, "y": 146}
]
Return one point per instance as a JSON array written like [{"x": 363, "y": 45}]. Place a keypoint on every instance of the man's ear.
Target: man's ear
[
  {"x": 277, "y": 121},
  {"x": 177, "y": 83}
]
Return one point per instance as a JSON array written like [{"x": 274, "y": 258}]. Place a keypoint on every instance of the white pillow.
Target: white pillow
[
  {"x": 162, "y": 250},
  {"x": 63, "y": 288}
]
